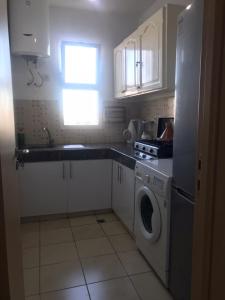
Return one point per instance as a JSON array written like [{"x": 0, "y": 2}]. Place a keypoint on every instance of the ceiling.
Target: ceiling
[{"x": 112, "y": 6}]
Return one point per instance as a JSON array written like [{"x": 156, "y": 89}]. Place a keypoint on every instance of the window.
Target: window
[{"x": 80, "y": 84}]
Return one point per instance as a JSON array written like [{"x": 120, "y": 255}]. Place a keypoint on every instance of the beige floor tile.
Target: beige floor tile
[
  {"x": 54, "y": 224},
  {"x": 86, "y": 220},
  {"x": 31, "y": 257},
  {"x": 30, "y": 240},
  {"x": 94, "y": 247},
  {"x": 31, "y": 281},
  {"x": 116, "y": 289},
  {"x": 109, "y": 217},
  {"x": 78, "y": 293},
  {"x": 113, "y": 228},
  {"x": 60, "y": 276},
  {"x": 63, "y": 235},
  {"x": 86, "y": 232},
  {"x": 30, "y": 227},
  {"x": 52, "y": 254},
  {"x": 149, "y": 287},
  {"x": 123, "y": 242},
  {"x": 133, "y": 262},
  {"x": 37, "y": 297},
  {"x": 102, "y": 268}
]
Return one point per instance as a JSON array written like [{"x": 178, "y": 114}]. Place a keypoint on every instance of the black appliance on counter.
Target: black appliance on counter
[{"x": 155, "y": 148}]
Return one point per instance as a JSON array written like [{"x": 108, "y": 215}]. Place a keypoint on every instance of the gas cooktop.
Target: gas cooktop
[{"x": 156, "y": 148}]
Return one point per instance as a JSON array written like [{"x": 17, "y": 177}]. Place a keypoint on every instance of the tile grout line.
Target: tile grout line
[
  {"x": 128, "y": 276},
  {"x": 74, "y": 241},
  {"x": 80, "y": 261}
]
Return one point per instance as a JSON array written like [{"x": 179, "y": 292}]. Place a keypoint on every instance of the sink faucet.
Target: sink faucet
[{"x": 50, "y": 139}]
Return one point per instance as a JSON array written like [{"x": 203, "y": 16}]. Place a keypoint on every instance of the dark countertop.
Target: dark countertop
[{"x": 122, "y": 153}]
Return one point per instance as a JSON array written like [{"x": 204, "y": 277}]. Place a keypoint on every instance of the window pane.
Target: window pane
[
  {"x": 80, "y": 64},
  {"x": 80, "y": 107}
]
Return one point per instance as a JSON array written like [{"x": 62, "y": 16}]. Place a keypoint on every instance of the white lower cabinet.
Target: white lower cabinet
[
  {"x": 42, "y": 188},
  {"x": 123, "y": 185},
  {"x": 89, "y": 186},
  {"x": 66, "y": 186}
]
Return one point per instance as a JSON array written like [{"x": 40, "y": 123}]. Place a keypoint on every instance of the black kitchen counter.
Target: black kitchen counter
[{"x": 122, "y": 153}]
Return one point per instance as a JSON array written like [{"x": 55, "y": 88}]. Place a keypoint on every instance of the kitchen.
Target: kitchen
[{"x": 106, "y": 194}]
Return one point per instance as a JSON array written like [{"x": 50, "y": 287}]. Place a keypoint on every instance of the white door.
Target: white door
[
  {"x": 132, "y": 64},
  {"x": 89, "y": 185},
  {"x": 151, "y": 44},
  {"x": 43, "y": 188},
  {"x": 119, "y": 71}
]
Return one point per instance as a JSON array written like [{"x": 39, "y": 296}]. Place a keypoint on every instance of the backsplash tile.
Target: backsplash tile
[
  {"x": 151, "y": 110},
  {"x": 33, "y": 115}
]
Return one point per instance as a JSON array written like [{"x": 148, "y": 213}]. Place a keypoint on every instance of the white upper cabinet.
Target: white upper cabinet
[
  {"x": 29, "y": 27},
  {"x": 150, "y": 55},
  {"x": 151, "y": 43},
  {"x": 119, "y": 71},
  {"x": 132, "y": 82}
]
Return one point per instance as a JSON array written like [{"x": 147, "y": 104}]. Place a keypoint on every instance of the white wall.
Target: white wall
[
  {"x": 158, "y": 4},
  {"x": 72, "y": 25}
]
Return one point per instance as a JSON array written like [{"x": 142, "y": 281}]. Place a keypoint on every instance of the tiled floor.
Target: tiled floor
[{"x": 81, "y": 259}]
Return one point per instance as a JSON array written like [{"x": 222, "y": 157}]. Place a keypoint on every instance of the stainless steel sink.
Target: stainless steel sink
[{"x": 76, "y": 146}]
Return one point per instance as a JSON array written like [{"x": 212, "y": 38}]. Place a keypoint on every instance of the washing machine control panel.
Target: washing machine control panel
[{"x": 157, "y": 182}]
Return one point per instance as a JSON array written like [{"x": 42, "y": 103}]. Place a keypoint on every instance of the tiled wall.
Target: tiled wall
[
  {"x": 151, "y": 110},
  {"x": 33, "y": 115}
]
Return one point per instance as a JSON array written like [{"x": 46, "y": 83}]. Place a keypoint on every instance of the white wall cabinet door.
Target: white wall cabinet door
[
  {"x": 123, "y": 194},
  {"x": 43, "y": 188},
  {"x": 151, "y": 45},
  {"x": 89, "y": 185},
  {"x": 119, "y": 71},
  {"x": 132, "y": 64},
  {"x": 150, "y": 54}
]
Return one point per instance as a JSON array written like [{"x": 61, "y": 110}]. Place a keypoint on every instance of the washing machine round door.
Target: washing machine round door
[{"x": 148, "y": 214}]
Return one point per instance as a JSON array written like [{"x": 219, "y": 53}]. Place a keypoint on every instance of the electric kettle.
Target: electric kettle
[{"x": 134, "y": 131}]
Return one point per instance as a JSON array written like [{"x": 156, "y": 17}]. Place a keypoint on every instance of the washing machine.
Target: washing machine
[{"x": 152, "y": 213}]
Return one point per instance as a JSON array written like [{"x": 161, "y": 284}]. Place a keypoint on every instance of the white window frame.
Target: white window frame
[{"x": 75, "y": 86}]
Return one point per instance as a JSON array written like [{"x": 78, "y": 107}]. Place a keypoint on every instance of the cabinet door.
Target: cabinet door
[
  {"x": 116, "y": 188},
  {"x": 151, "y": 43},
  {"x": 42, "y": 188},
  {"x": 132, "y": 63},
  {"x": 123, "y": 194},
  {"x": 119, "y": 71},
  {"x": 127, "y": 197},
  {"x": 89, "y": 185}
]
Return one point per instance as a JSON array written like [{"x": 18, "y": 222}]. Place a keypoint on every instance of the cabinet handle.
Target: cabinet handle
[
  {"x": 71, "y": 173},
  {"x": 118, "y": 173},
  {"x": 63, "y": 171}
]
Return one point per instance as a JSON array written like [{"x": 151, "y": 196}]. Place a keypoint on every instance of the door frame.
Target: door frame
[
  {"x": 4, "y": 275},
  {"x": 209, "y": 224}
]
